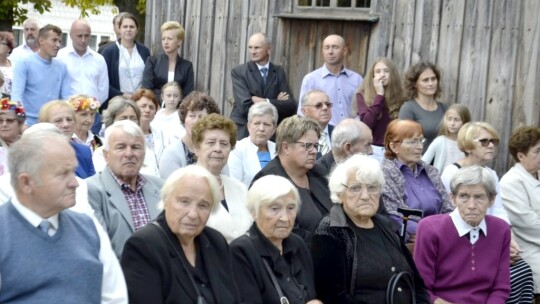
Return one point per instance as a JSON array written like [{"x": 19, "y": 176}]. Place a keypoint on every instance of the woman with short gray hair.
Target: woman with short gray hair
[
  {"x": 463, "y": 257},
  {"x": 270, "y": 251},
  {"x": 254, "y": 152}
]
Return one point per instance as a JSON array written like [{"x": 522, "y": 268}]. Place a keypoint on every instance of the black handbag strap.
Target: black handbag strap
[
  {"x": 282, "y": 298},
  {"x": 200, "y": 298},
  {"x": 405, "y": 277}
]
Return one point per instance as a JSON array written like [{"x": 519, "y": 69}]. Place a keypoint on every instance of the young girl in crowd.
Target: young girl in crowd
[
  {"x": 444, "y": 150},
  {"x": 378, "y": 99},
  {"x": 167, "y": 119}
]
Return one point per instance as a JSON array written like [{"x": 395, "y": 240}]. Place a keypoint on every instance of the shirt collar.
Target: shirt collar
[
  {"x": 463, "y": 227},
  {"x": 71, "y": 50},
  {"x": 402, "y": 166},
  {"x": 267, "y": 65},
  {"x": 140, "y": 181},
  {"x": 33, "y": 218},
  {"x": 325, "y": 71}
]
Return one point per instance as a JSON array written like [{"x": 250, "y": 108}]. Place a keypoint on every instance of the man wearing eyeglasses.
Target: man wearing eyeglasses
[
  {"x": 316, "y": 104},
  {"x": 259, "y": 80},
  {"x": 334, "y": 79}
]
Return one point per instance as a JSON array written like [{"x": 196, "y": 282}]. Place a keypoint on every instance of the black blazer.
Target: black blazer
[
  {"x": 326, "y": 163},
  {"x": 155, "y": 275},
  {"x": 156, "y": 74},
  {"x": 314, "y": 206},
  {"x": 247, "y": 82},
  {"x": 111, "y": 53},
  {"x": 293, "y": 269}
]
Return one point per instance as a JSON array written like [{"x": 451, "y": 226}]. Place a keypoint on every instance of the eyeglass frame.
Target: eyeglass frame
[
  {"x": 365, "y": 187},
  {"x": 319, "y": 105},
  {"x": 484, "y": 142},
  {"x": 308, "y": 145},
  {"x": 414, "y": 142}
]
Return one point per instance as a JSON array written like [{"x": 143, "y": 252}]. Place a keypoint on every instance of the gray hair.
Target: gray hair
[
  {"x": 367, "y": 170},
  {"x": 31, "y": 21},
  {"x": 260, "y": 194},
  {"x": 192, "y": 171},
  {"x": 261, "y": 109},
  {"x": 348, "y": 130},
  {"x": 117, "y": 105},
  {"x": 474, "y": 175},
  {"x": 307, "y": 96},
  {"x": 294, "y": 127},
  {"x": 26, "y": 155},
  {"x": 128, "y": 127}
]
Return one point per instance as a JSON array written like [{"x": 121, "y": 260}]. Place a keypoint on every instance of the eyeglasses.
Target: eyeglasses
[
  {"x": 7, "y": 121},
  {"x": 414, "y": 142},
  {"x": 485, "y": 141},
  {"x": 319, "y": 105},
  {"x": 308, "y": 146},
  {"x": 357, "y": 188},
  {"x": 477, "y": 198}
]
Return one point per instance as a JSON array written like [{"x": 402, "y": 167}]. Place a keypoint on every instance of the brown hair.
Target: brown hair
[
  {"x": 522, "y": 140},
  {"x": 197, "y": 101},
  {"x": 7, "y": 38},
  {"x": 140, "y": 93},
  {"x": 213, "y": 122},
  {"x": 412, "y": 75},
  {"x": 463, "y": 113}
]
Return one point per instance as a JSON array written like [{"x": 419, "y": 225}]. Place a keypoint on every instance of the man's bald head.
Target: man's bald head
[{"x": 80, "y": 34}]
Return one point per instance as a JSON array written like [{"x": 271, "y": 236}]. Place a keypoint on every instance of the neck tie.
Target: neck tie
[
  {"x": 44, "y": 226},
  {"x": 323, "y": 145},
  {"x": 264, "y": 73}
]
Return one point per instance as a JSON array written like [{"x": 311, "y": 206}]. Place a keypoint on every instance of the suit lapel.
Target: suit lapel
[
  {"x": 256, "y": 79},
  {"x": 116, "y": 197},
  {"x": 270, "y": 78},
  {"x": 151, "y": 197}
]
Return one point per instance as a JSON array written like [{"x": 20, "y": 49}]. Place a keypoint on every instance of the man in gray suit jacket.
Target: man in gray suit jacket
[
  {"x": 259, "y": 80},
  {"x": 123, "y": 199}
]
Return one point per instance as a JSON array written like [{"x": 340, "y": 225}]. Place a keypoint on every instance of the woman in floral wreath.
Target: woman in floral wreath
[
  {"x": 12, "y": 118},
  {"x": 85, "y": 108}
]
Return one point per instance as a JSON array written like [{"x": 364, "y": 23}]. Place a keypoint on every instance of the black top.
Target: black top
[{"x": 293, "y": 270}]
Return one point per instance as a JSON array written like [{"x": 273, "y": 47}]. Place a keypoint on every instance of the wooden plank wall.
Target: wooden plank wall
[{"x": 488, "y": 50}]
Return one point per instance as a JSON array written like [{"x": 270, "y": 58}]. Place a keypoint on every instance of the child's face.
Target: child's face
[
  {"x": 171, "y": 97},
  {"x": 453, "y": 121}
]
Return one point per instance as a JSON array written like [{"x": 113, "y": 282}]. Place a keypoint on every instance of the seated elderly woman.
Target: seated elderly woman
[
  {"x": 463, "y": 256},
  {"x": 121, "y": 108},
  {"x": 182, "y": 152},
  {"x": 178, "y": 259},
  {"x": 269, "y": 253},
  {"x": 12, "y": 116},
  {"x": 297, "y": 141},
  {"x": 520, "y": 193},
  {"x": 85, "y": 108},
  {"x": 479, "y": 140},
  {"x": 214, "y": 136},
  {"x": 410, "y": 182},
  {"x": 355, "y": 253},
  {"x": 59, "y": 113},
  {"x": 253, "y": 153}
]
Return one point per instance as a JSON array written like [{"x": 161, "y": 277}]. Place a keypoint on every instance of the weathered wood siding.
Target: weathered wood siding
[{"x": 488, "y": 50}]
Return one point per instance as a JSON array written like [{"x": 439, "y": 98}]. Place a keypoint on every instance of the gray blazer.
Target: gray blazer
[{"x": 111, "y": 208}]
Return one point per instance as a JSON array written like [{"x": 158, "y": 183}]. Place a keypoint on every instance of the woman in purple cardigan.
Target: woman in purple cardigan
[{"x": 463, "y": 256}]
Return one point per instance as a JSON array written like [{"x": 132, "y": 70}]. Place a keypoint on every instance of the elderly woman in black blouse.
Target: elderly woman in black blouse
[{"x": 269, "y": 249}]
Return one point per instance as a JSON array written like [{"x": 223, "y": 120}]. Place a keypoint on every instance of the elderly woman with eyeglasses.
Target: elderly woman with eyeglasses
[
  {"x": 355, "y": 252},
  {"x": 463, "y": 257},
  {"x": 12, "y": 116},
  {"x": 297, "y": 141},
  {"x": 479, "y": 140},
  {"x": 410, "y": 182}
]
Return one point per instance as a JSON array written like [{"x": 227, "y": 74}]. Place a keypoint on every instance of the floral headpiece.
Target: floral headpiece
[
  {"x": 81, "y": 103},
  {"x": 15, "y": 106}
]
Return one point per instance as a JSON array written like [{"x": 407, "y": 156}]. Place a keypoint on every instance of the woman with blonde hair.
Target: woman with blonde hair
[
  {"x": 378, "y": 99},
  {"x": 169, "y": 66}
]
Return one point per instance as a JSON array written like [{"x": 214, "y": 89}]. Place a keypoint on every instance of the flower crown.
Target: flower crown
[
  {"x": 16, "y": 106},
  {"x": 81, "y": 103}
]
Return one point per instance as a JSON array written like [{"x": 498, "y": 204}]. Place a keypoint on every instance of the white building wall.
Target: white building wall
[{"x": 63, "y": 16}]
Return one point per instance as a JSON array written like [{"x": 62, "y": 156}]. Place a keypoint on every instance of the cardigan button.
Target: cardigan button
[{"x": 393, "y": 269}]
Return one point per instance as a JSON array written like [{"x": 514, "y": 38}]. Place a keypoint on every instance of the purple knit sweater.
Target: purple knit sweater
[{"x": 455, "y": 270}]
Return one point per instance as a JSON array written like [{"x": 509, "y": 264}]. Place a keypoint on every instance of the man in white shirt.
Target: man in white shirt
[
  {"x": 49, "y": 246},
  {"x": 87, "y": 69},
  {"x": 30, "y": 45}
]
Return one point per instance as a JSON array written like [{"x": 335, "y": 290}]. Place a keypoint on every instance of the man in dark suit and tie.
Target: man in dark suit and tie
[{"x": 259, "y": 80}]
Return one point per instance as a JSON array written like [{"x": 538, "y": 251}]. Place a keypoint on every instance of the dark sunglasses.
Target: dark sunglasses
[
  {"x": 485, "y": 141},
  {"x": 319, "y": 105}
]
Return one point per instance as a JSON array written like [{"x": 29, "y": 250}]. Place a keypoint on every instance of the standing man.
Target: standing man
[
  {"x": 30, "y": 45},
  {"x": 333, "y": 78},
  {"x": 40, "y": 78},
  {"x": 123, "y": 199},
  {"x": 86, "y": 68},
  {"x": 316, "y": 104},
  {"x": 49, "y": 254},
  {"x": 259, "y": 80}
]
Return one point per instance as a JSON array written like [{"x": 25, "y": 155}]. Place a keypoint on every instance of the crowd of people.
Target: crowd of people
[{"x": 121, "y": 183}]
